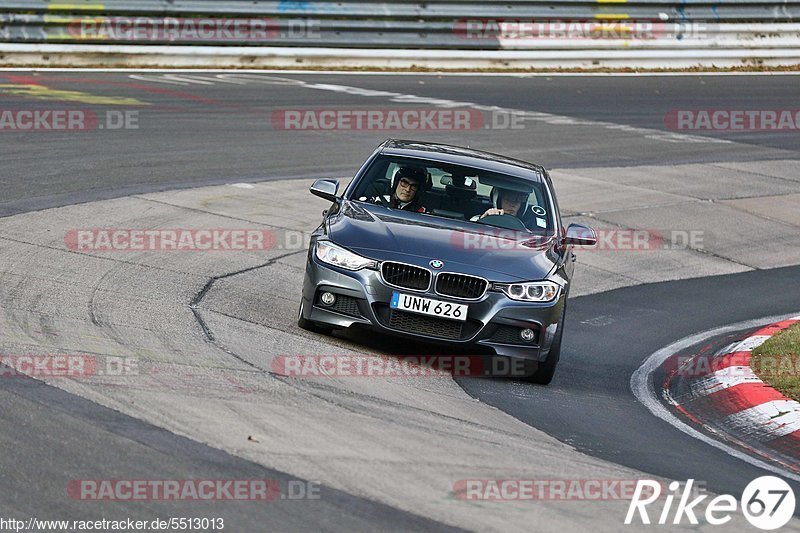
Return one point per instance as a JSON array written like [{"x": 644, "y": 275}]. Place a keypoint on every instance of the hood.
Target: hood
[{"x": 493, "y": 253}]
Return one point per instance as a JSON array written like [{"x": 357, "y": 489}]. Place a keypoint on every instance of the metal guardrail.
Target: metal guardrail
[
  {"x": 749, "y": 28},
  {"x": 681, "y": 10},
  {"x": 393, "y": 8},
  {"x": 397, "y": 34}
]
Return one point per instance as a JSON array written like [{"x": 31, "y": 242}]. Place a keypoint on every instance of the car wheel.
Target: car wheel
[{"x": 308, "y": 325}]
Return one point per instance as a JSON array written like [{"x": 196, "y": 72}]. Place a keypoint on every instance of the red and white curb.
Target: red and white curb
[
  {"x": 722, "y": 393},
  {"x": 649, "y": 392}
]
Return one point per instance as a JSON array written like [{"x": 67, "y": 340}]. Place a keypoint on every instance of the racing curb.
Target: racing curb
[{"x": 722, "y": 394}]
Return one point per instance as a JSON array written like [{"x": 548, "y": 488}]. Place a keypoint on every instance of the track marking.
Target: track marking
[
  {"x": 534, "y": 116},
  {"x": 445, "y": 73},
  {"x": 644, "y": 390},
  {"x": 642, "y": 74},
  {"x": 40, "y": 92}
]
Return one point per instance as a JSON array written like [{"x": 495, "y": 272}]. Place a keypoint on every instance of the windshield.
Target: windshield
[{"x": 435, "y": 189}]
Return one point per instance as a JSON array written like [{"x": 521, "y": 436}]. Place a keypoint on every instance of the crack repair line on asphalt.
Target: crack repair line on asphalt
[{"x": 195, "y": 303}]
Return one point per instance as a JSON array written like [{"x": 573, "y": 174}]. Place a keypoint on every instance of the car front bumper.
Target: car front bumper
[{"x": 493, "y": 321}]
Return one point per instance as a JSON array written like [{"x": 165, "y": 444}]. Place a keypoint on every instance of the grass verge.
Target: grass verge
[{"x": 777, "y": 361}]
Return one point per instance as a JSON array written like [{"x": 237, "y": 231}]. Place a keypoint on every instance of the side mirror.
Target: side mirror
[
  {"x": 325, "y": 188},
  {"x": 580, "y": 235}
]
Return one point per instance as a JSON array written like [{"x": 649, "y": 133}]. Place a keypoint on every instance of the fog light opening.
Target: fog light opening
[
  {"x": 527, "y": 335},
  {"x": 327, "y": 298}
]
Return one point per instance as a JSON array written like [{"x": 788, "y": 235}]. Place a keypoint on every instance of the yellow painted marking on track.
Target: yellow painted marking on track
[
  {"x": 615, "y": 16},
  {"x": 40, "y": 92},
  {"x": 75, "y": 7}
]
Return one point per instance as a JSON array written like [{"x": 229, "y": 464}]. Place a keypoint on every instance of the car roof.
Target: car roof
[{"x": 467, "y": 157}]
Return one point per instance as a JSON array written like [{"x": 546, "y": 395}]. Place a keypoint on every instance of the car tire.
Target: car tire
[
  {"x": 547, "y": 368},
  {"x": 308, "y": 325}
]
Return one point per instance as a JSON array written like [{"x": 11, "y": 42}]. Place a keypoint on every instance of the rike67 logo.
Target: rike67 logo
[{"x": 767, "y": 503}]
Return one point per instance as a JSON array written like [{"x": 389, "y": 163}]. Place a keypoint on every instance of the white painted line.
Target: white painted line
[
  {"x": 644, "y": 390},
  {"x": 533, "y": 116},
  {"x": 642, "y": 74}
]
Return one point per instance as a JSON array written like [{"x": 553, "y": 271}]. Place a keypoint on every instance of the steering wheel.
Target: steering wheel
[{"x": 503, "y": 221}]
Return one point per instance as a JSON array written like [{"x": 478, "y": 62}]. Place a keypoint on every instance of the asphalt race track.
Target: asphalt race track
[
  {"x": 602, "y": 356},
  {"x": 191, "y": 133},
  {"x": 616, "y": 164}
]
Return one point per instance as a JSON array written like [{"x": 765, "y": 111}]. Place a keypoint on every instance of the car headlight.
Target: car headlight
[
  {"x": 329, "y": 253},
  {"x": 535, "y": 291}
]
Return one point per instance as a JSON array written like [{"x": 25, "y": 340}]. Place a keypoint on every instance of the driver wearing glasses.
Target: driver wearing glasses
[{"x": 405, "y": 192}]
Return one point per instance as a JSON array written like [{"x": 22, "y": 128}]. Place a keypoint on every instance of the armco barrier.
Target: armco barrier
[
  {"x": 458, "y": 34},
  {"x": 638, "y": 9},
  {"x": 742, "y": 32}
]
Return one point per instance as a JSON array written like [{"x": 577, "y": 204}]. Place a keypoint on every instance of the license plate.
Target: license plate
[{"x": 427, "y": 306}]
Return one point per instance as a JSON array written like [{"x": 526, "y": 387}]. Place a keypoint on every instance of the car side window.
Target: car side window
[{"x": 390, "y": 170}]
